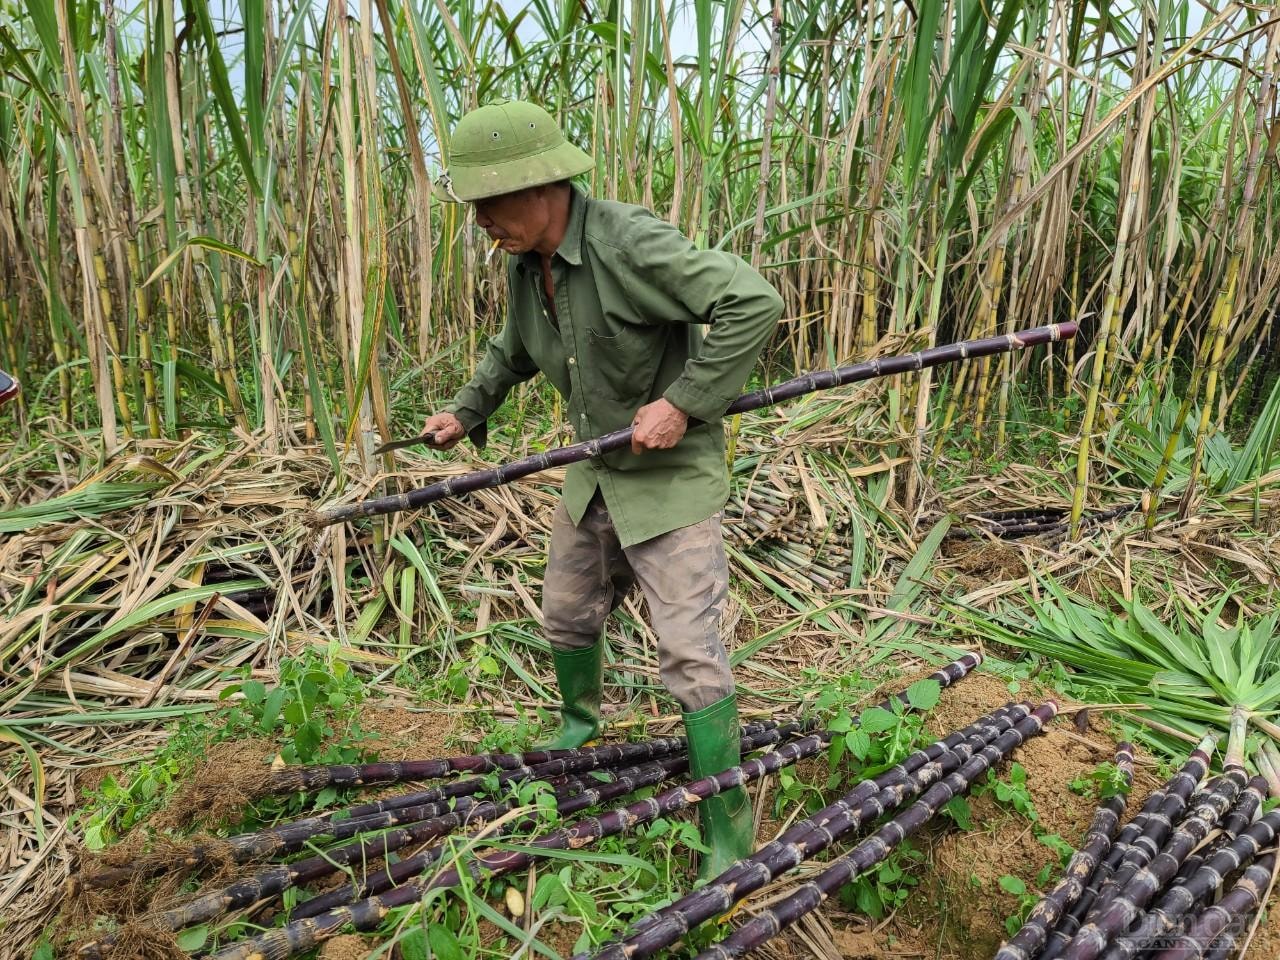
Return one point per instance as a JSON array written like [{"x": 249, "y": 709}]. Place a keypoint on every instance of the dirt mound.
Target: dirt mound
[{"x": 404, "y": 734}]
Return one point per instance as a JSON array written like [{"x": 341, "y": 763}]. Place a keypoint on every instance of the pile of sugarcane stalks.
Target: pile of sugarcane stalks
[
  {"x": 444, "y": 827},
  {"x": 1030, "y": 522},
  {"x": 1146, "y": 890},
  {"x": 772, "y": 517},
  {"x": 926, "y": 780}
]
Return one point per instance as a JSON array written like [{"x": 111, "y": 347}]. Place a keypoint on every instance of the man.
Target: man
[{"x": 604, "y": 300}]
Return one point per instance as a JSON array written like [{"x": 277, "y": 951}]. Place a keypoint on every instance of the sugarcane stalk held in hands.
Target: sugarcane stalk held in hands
[{"x": 621, "y": 439}]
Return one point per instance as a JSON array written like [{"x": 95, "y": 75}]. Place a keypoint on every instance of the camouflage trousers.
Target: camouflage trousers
[{"x": 684, "y": 575}]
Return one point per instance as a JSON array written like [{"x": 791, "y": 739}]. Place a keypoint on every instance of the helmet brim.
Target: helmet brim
[{"x": 463, "y": 184}]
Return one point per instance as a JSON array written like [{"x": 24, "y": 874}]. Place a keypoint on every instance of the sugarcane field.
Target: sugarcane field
[{"x": 658, "y": 479}]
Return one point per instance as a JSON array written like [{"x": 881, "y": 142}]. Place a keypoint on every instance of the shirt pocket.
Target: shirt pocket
[{"x": 623, "y": 358}]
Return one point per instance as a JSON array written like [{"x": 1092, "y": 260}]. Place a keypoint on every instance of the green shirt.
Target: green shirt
[{"x": 630, "y": 290}]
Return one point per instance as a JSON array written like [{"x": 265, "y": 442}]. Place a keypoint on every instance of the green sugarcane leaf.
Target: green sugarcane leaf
[
  {"x": 220, "y": 84},
  {"x": 206, "y": 243},
  {"x": 142, "y": 615},
  {"x": 1170, "y": 644}
]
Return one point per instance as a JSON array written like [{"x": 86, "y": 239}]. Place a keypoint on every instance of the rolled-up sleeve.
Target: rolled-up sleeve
[
  {"x": 671, "y": 280},
  {"x": 504, "y": 365}
]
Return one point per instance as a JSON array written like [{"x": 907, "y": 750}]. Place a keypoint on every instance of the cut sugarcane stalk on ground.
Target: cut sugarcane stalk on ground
[
  {"x": 270, "y": 882},
  {"x": 1149, "y": 893},
  {"x": 771, "y": 921},
  {"x": 573, "y": 796},
  {"x": 869, "y": 800}
]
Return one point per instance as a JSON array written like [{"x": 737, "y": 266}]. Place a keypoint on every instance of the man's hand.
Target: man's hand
[
  {"x": 446, "y": 427},
  {"x": 658, "y": 426}
]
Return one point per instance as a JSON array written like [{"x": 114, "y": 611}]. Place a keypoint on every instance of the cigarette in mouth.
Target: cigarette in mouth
[{"x": 488, "y": 256}]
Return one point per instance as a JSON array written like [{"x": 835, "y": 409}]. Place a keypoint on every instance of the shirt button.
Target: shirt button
[{"x": 572, "y": 361}]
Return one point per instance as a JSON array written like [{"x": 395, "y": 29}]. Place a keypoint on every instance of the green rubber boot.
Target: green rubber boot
[
  {"x": 579, "y": 674},
  {"x": 728, "y": 827}
]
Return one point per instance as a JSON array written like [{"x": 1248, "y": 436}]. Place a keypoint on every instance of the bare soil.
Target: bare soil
[{"x": 347, "y": 947}]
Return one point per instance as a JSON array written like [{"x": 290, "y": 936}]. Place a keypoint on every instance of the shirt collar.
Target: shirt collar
[{"x": 570, "y": 249}]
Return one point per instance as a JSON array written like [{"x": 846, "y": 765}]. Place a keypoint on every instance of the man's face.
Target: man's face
[{"x": 517, "y": 219}]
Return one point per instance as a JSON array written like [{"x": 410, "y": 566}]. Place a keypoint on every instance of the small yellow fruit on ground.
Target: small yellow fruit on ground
[{"x": 515, "y": 902}]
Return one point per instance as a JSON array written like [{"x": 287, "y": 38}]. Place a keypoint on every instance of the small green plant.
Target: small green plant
[
  {"x": 1026, "y": 900},
  {"x": 883, "y": 737},
  {"x": 310, "y": 714},
  {"x": 1104, "y": 781},
  {"x": 886, "y": 887},
  {"x": 1059, "y": 846},
  {"x": 958, "y": 809},
  {"x": 1012, "y": 792}
]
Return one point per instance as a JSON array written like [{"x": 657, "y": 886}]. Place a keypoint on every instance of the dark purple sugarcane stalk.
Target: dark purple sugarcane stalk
[
  {"x": 867, "y": 801},
  {"x": 1143, "y": 885},
  {"x": 587, "y": 794},
  {"x": 1026, "y": 943},
  {"x": 444, "y": 803},
  {"x": 289, "y": 837},
  {"x": 412, "y": 867},
  {"x": 811, "y": 895},
  {"x": 1177, "y": 901},
  {"x": 1211, "y": 935},
  {"x": 988, "y": 726},
  {"x": 1241, "y": 814},
  {"x": 621, "y": 439},
  {"x": 574, "y": 795},
  {"x": 1072, "y": 918},
  {"x": 1159, "y": 824},
  {"x": 301, "y": 935},
  {"x": 305, "y": 933},
  {"x": 292, "y": 836},
  {"x": 311, "y": 778}
]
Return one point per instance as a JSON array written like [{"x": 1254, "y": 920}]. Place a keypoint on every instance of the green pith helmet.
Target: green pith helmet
[{"x": 504, "y": 147}]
